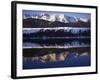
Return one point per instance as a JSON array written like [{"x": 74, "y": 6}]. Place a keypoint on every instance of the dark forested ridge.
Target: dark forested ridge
[{"x": 58, "y": 33}]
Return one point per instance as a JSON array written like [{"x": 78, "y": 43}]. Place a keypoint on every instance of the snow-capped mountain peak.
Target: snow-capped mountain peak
[{"x": 83, "y": 19}]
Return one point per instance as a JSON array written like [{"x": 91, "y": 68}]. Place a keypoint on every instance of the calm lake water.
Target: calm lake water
[{"x": 40, "y": 48}]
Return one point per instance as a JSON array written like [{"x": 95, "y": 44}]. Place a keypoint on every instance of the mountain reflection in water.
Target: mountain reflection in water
[{"x": 57, "y": 58}]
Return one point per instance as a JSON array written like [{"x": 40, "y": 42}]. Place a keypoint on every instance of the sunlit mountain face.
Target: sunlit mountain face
[{"x": 56, "y": 39}]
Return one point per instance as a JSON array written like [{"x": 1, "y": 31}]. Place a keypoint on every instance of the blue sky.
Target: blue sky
[{"x": 75, "y": 14}]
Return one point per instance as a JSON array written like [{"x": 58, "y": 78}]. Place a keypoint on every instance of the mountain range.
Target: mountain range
[{"x": 53, "y": 20}]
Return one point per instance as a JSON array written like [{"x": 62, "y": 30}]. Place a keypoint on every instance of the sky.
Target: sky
[{"x": 71, "y": 14}]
